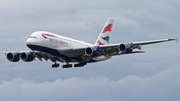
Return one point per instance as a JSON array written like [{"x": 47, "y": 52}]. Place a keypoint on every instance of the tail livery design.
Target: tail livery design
[{"x": 104, "y": 36}]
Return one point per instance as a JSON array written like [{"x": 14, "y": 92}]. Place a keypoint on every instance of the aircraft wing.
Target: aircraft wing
[
  {"x": 79, "y": 52},
  {"x": 109, "y": 49},
  {"x": 114, "y": 49}
]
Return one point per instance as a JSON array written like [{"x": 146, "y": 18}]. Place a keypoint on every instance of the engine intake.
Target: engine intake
[
  {"x": 27, "y": 57},
  {"x": 91, "y": 51},
  {"x": 13, "y": 57},
  {"x": 125, "y": 48}
]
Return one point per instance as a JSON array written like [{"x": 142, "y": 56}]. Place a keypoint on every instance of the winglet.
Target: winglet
[{"x": 177, "y": 39}]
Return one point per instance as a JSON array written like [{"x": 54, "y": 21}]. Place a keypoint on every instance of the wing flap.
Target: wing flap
[{"x": 132, "y": 52}]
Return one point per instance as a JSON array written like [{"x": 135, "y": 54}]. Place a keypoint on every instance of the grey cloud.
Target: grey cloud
[{"x": 130, "y": 88}]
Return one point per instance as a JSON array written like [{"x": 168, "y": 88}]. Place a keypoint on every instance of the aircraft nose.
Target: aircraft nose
[{"x": 29, "y": 42}]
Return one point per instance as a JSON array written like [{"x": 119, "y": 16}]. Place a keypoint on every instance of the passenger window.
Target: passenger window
[{"x": 32, "y": 37}]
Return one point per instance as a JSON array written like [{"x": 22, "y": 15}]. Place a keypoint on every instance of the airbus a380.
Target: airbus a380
[{"x": 46, "y": 45}]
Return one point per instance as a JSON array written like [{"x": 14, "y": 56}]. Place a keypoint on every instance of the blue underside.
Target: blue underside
[{"x": 54, "y": 52}]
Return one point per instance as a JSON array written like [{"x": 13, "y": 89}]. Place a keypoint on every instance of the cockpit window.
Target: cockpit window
[{"x": 32, "y": 37}]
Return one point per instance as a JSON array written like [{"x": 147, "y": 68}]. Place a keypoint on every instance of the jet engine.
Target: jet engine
[
  {"x": 27, "y": 57},
  {"x": 13, "y": 57},
  {"x": 91, "y": 51},
  {"x": 125, "y": 48}
]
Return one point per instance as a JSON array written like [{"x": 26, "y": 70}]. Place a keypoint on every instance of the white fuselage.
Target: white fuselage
[
  {"x": 55, "y": 44},
  {"x": 55, "y": 41}
]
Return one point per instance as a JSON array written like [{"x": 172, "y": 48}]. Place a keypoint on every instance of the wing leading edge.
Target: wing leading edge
[
  {"x": 153, "y": 41},
  {"x": 114, "y": 49}
]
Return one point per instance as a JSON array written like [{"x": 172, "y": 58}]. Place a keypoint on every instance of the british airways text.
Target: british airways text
[{"x": 55, "y": 41}]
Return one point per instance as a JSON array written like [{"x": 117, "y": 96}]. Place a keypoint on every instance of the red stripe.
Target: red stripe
[
  {"x": 107, "y": 28},
  {"x": 48, "y": 35},
  {"x": 100, "y": 43}
]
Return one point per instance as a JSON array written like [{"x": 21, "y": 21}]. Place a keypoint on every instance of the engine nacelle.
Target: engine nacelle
[
  {"x": 13, "y": 57},
  {"x": 91, "y": 51},
  {"x": 27, "y": 57},
  {"x": 125, "y": 48}
]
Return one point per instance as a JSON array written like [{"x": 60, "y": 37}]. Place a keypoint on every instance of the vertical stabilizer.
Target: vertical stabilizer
[{"x": 104, "y": 36}]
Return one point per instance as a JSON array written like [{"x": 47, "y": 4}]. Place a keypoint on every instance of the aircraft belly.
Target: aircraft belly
[
  {"x": 71, "y": 53},
  {"x": 46, "y": 49}
]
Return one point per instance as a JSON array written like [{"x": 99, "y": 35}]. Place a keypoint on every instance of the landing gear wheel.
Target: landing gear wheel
[
  {"x": 55, "y": 65},
  {"x": 81, "y": 64},
  {"x": 52, "y": 66},
  {"x": 67, "y": 66}
]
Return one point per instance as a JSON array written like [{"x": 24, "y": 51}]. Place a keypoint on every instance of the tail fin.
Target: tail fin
[{"x": 104, "y": 36}]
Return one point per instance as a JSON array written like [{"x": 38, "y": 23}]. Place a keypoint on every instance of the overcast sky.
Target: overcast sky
[{"x": 151, "y": 76}]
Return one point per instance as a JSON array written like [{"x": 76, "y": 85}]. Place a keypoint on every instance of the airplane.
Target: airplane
[{"x": 57, "y": 48}]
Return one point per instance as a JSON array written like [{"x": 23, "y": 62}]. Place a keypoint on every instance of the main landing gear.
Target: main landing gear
[
  {"x": 55, "y": 65},
  {"x": 67, "y": 66},
  {"x": 81, "y": 64}
]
